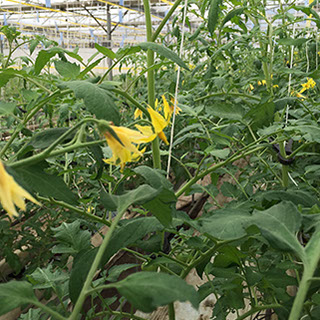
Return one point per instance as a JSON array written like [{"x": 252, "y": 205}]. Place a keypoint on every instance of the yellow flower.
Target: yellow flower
[
  {"x": 12, "y": 194},
  {"x": 309, "y": 84},
  {"x": 251, "y": 87},
  {"x": 259, "y": 83},
  {"x": 126, "y": 151},
  {"x": 275, "y": 86},
  {"x": 264, "y": 82},
  {"x": 158, "y": 123},
  {"x": 138, "y": 113}
]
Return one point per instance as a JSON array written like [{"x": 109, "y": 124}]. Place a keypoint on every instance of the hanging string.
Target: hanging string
[{"x": 177, "y": 88}]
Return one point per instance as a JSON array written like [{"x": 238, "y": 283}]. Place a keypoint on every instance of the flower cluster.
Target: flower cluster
[
  {"x": 124, "y": 143},
  {"x": 11, "y": 194},
  {"x": 310, "y": 84}
]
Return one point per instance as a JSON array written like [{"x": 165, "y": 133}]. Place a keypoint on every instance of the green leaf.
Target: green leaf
[
  {"x": 6, "y": 75},
  {"x": 14, "y": 294},
  {"x": 46, "y": 278},
  {"x": 46, "y": 184},
  {"x": 226, "y": 224},
  {"x": 213, "y": 17},
  {"x": 295, "y": 196},
  {"x": 233, "y": 13},
  {"x": 129, "y": 232},
  {"x": 162, "y": 206},
  {"x": 105, "y": 51},
  {"x": 141, "y": 195},
  {"x": 67, "y": 69},
  {"x": 115, "y": 271},
  {"x": 7, "y": 107},
  {"x": 45, "y": 138},
  {"x": 261, "y": 115},
  {"x": 99, "y": 101},
  {"x": 163, "y": 51},
  {"x": 220, "y": 153},
  {"x": 80, "y": 269},
  {"x": 148, "y": 290},
  {"x": 279, "y": 225},
  {"x": 154, "y": 177},
  {"x": 292, "y": 42},
  {"x": 44, "y": 57},
  {"x": 226, "y": 111},
  {"x": 90, "y": 67},
  {"x": 71, "y": 238}
]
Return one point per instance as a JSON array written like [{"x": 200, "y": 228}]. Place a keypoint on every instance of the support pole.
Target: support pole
[{"x": 109, "y": 39}]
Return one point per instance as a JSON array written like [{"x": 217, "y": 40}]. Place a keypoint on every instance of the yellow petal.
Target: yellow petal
[
  {"x": 12, "y": 194},
  {"x": 138, "y": 113},
  {"x": 163, "y": 137},
  {"x": 146, "y": 131},
  {"x": 158, "y": 122},
  {"x": 167, "y": 109}
]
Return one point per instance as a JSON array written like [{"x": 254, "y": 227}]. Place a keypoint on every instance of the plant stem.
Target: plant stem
[
  {"x": 172, "y": 315},
  {"x": 258, "y": 308},
  {"x": 237, "y": 94},
  {"x": 48, "y": 310},
  {"x": 285, "y": 169},
  {"x": 133, "y": 100},
  {"x": 47, "y": 152},
  {"x": 94, "y": 266},
  {"x": 27, "y": 118},
  {"x": 165, "y": 19},
  {"x": 75, "y": 209},
  {"x": 151, "y": 85},
  {"x": 310, "y": 265},
  {"x": 215, "y": 167}
]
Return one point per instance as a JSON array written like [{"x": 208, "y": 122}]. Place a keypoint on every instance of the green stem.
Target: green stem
[
  {"x": 75, "y": 209},
  {"x": 48, "y": 310},
  {"x": 213, "y": 168},
  {"x": 202, "y": 258},
  {"x": 310, "y": 265},
  {"x": 133, "y": 100},
  {"x": 258, "y": 308},
  {"x": 172, "y": 315},
  {"x": 94, "y": 267},
  {"x": 285, "y": 168},
  {"x": 165, "y": 19},
  {"x": 118, "y": 313},
  {"x": 27, "y": 118},
  {"x": 151, "y": 83},
  {"x": 217, "y": 94},
  {"x": 47, "y": 152}
]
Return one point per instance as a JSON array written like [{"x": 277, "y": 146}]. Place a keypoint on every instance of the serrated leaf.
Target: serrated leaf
[
  {"x": 131, "y": 231},
  {"x": 225, "y": 225},
  {"x": 14, "y": 294},
  {"x": 71, "y": 238},
  {"x": 46, "y": 278},
  {"x": 105, "y": 51},
  {"x": 141, "y": 195},
  {"x": 292, "y": 42},
  {"x": 45, "y": 138},
  {"x": 213, "y": 16},
  {"x": 46, "y": 184},
  {"x": 67, "y": 69},
  {"x": 80, "y": 269},
  {"x": 163, "y": 51},
  {"x": 148, "y": 290},
  {"x": 7, "y": 107},
  {"x": 98, "y": 101},
  {"x": 279, "y": 225},
  {"x": 44, "y": 57}
]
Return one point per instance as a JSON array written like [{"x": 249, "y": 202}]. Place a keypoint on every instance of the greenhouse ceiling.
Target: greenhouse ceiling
[{"x": 83, "y": 22}]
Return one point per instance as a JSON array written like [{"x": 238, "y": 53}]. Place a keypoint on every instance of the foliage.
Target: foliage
[{"x": 249, "y": 101}]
